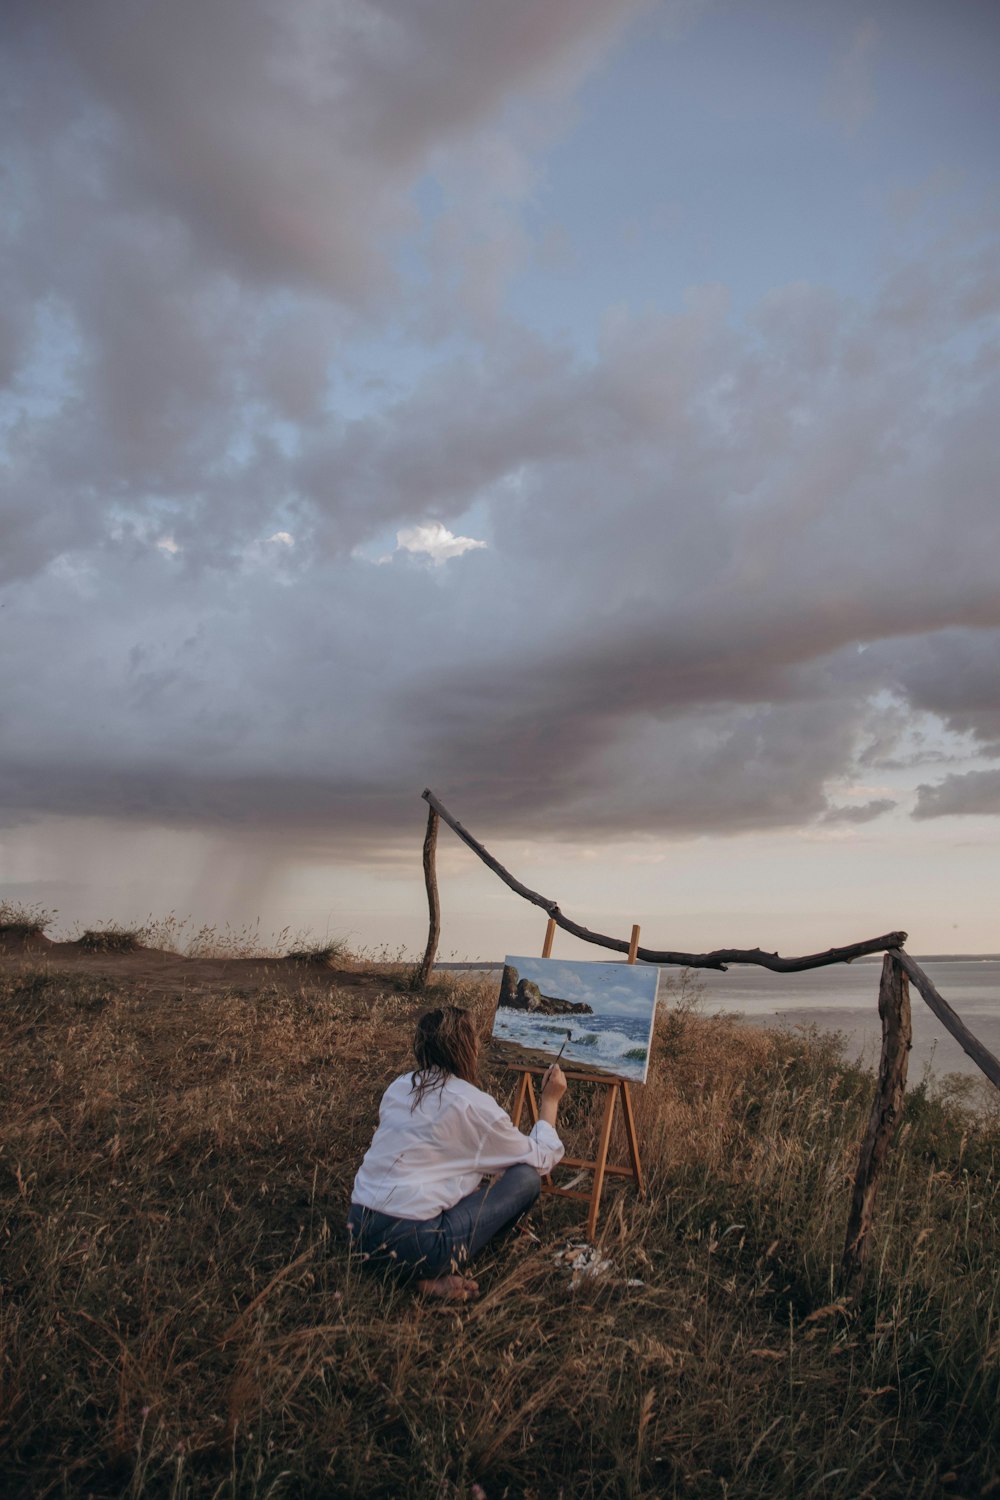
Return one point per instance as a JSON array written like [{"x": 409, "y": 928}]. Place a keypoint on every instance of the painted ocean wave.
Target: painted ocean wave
[{"x": 619, "y": 1046}]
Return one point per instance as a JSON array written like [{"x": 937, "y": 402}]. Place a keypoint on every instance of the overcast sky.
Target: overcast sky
[{"x": 588, "y": 409}]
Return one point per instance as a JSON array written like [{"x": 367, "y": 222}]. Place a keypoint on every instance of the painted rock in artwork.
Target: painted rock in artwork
[{"x": 523, "y": 994}]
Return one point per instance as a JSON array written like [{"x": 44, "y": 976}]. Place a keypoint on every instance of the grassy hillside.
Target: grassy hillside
[{"x": 177, "y": 1316}]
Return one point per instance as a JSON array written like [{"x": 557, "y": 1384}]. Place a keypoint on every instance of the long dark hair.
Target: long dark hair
[{"x": 444, "y": 1045}]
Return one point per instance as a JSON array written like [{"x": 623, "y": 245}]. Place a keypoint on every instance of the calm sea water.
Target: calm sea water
[{"x": 844, "y": 998}]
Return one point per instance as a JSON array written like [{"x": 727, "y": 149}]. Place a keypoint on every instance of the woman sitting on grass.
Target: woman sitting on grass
[{"x": 417, "y": 1207}]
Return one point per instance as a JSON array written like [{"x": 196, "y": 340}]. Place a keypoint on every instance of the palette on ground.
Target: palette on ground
[{"x": 599, "y": 1015}]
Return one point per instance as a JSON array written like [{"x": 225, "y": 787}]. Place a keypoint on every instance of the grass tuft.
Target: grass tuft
[
  {"x": 20, "y": 922},
  {"x": 324, "y": 956},
  {"x": 111, "y": 939}
]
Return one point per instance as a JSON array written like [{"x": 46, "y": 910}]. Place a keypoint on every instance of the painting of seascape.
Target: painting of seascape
[{"x": 599, "y": 1016}]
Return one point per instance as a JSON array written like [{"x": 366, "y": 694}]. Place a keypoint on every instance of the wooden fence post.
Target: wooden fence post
[
  {"x": 423, "y": 974},
  {"x": 897, "y": 1035}
]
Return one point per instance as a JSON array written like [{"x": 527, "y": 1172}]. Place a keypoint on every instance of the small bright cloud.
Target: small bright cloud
[
  {"x": 284, "y": 537},
  {"x": 434, "y": 541},
  {"x": 167, "y": 544}
]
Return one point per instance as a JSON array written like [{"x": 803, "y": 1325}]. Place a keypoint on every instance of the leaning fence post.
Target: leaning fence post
[
  {"x": 423, "y": 974},
  {"x": 897, "y": 1035}
]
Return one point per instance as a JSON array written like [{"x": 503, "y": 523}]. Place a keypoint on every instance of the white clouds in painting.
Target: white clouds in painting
[{"x": 611, "y": 989}]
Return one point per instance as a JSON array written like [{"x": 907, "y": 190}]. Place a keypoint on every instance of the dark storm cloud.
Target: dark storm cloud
[
  {"x": 974, "y": 792},
  {"x": 956, "y": 676},
  {"x": 712, "y": 544},
  {"x": 284, "y": 138},
  {"x": 864, "y": 813},
  {"x": 202, "y": 201}
]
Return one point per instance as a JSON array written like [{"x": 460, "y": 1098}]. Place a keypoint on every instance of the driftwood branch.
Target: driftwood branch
[
  {"x": 423, "y": 974},
  {"x": 980, "y": 1055},
  {"x": 719, "y": 959},
  {"x": 897, "y": 1037}
]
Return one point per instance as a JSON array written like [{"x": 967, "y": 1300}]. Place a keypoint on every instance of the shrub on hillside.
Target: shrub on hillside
[
  {"x": 17, "y": 921},
  {"x": 111, "y": 939},
  {"x": 321, "y": 957}
]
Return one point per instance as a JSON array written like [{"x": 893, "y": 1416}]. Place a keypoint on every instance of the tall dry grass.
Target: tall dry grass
[{"x": 178, "y": 1317}]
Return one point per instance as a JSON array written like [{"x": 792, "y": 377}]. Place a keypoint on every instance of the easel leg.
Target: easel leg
[
  {"x": 519, "y": 1098},
  {"x": 533, "y": 1111},
  {"x": 526, "y": 1095},
  {"x": 631, "y": 1137},
  {"x": 600, "y": 1161},
  {"x": 550, "y": 932}
]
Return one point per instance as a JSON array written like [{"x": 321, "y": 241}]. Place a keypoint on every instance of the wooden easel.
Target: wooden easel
[{"x": 616, "y": 1089}]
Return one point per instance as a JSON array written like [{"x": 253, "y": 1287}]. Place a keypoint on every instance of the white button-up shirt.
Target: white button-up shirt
[{"x": 426, "y": 1159}]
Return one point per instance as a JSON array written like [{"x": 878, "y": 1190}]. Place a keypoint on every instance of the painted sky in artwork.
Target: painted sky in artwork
[
  {"x": 586, "y": 409},
  {"x": 612, "y": 989}
]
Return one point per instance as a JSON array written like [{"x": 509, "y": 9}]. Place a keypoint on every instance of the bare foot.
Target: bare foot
[{"x": 449, "y": 1288}]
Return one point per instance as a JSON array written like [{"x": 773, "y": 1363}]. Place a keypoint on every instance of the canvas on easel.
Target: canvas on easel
[{"x": 594, "y": 1017}]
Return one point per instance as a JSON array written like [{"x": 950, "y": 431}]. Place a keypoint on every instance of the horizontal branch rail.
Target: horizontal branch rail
[
  {"x": 952, "y": 1022},
  {"x": 719, "y": 959}
]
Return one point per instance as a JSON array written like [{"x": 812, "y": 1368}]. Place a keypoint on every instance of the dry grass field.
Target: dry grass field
[{"x": 178, "y": 1318}]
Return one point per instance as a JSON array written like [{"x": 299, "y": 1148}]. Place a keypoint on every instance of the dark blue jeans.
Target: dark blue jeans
[{"x": 432, "y": 1247}]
